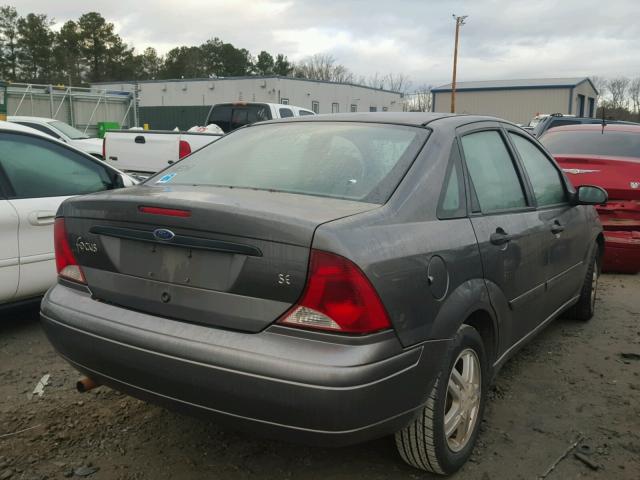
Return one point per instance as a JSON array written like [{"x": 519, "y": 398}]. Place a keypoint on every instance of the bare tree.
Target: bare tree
[
  {"x": 323, "y": 67},
  {"x": 397, "y": 82},
  {"x": 601, "y": 86},
  {"x": 634, "y": 94},
  {"x": 420, "y": 100},
  {"x": 375, "y": 81},
  {"x": 618, "y": 88}
]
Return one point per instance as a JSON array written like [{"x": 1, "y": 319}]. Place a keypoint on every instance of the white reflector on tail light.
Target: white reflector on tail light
[
  {"x": 66, "y": 263},
  {"x": 337, "y": 297}
]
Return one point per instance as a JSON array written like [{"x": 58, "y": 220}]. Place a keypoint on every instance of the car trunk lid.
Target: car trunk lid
[{"x": 231, "y": 258}]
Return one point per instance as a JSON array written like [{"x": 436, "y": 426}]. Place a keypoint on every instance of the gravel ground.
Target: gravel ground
[{"x": 576, "y": 380}]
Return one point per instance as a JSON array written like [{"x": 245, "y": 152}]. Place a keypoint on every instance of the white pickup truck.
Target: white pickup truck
[{"x": 144, "y": 152}]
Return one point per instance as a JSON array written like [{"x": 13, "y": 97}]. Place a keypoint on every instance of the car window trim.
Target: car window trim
[
  {"x": 455, "y": 161},
  {"x": 551, "y": 160},
  {"x": 524, "y": 181}
]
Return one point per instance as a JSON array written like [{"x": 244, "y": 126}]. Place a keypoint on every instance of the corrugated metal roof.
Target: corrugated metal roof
[{"x": 523, "y": 83}]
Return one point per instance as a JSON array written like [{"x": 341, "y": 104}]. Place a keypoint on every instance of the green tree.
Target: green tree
[
  {"x": 34, "y": 45},
  {"x": 96, "y": 38},
  {"x": 265, "y": 63},
  {"x": 150, "y": 64},
  {"x": 183, "y": 62},
  {"x": 67, "y": 54},
  {"x": 235, "y": 61},
  {"x": 8, "y": 43},
  {"x": 211, "y": 57},
  {"x": 282, "y": 66}
]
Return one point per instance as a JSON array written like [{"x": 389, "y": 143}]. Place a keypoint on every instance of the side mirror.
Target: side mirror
[{"x": 590, "y": 195}]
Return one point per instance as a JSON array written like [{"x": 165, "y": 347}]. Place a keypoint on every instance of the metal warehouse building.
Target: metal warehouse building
[
  {"x": 186, "y": 102},
  {"x": 519, "y": 100}
]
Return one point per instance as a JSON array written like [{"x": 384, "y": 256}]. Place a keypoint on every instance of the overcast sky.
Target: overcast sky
[{"x": 502, "y": 38}]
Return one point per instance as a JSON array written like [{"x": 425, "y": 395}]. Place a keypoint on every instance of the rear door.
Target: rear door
[
  {"x": 40, "y": 174},
  {"x": 507, "y": 228},
  {"x": 9, "y": 256},
  {"x": 566, "y": 232}
]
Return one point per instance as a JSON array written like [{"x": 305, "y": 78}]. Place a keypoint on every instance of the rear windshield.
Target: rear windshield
[
  {"x": 593, "y": 142},
  {"x": 354, "y": 161},
  {"x": 229, "y": 117}
]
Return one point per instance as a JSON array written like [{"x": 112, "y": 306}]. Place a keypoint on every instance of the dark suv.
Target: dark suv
[{"x": 329, "y": 279}]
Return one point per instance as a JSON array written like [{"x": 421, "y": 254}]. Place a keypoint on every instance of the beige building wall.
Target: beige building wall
[
  {"x": 518, "y": 105},
  {"x": 588, "y": 92},
  {"x": 301, "y": 93}
]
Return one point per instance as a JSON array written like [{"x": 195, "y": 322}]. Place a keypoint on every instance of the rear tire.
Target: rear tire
[
  {"x": 585, "y": 308},
  {"x": 441, "y": 438}
]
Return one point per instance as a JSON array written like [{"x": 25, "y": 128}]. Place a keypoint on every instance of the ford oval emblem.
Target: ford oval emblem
[{"x": 163, "y": 234}]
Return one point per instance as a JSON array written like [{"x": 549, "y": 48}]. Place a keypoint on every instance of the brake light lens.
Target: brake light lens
[
  {"x": 170, "y": 212},
  {"x": 184, "y": 149},
  {"x": 66, "y": 263},
  {"x": 337, "y": 297}
]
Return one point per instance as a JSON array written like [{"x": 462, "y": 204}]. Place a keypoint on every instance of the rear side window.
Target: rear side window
[
  {"x": 229, "y": 116},
  {"x": 285, "y": 112},
  {"x": 492, "y": 172},
  {"x": 349, "y": 160},
  {"x": 302, "y": 113},
  {"x": 39, "y": 168},
  {"x": 546, "y": 181}
]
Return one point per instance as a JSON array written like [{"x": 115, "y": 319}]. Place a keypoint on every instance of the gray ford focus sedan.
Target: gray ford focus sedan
[{"x": 328, "y": 279}]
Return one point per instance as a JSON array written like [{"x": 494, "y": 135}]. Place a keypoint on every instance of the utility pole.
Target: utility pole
[{"x": 459, "y": 22}]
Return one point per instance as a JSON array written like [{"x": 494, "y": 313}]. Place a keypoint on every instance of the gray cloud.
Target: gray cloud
[{"x": 502, "y": 38}]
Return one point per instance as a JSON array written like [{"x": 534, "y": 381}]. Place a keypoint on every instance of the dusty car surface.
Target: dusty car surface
[
  {"x": 608, "y": 156},
  {"x": 329, "y": 279}
]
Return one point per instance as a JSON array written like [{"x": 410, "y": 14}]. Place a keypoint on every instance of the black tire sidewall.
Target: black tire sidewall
[{"x": 450, "y": 461}]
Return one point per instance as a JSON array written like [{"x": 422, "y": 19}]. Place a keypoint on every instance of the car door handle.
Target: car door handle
[
  {"x": 139, "y": 139},
  {"x": 557, "y": 228},
  {"x": 42, "y": 217},
  {"x": 500, "y": 237}
]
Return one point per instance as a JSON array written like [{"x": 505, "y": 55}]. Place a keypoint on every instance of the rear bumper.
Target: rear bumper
[
  {"x": 622, "y": 251},
  {"x": 293, "y": 385}
]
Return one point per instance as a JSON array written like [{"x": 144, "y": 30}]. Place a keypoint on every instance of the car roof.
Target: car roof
[
  {"x": 616, "y": 127},
  {"x": 16, "y": 127},
  {"x": 22, "y": 118},
  {"x": 401, "y": 118}
]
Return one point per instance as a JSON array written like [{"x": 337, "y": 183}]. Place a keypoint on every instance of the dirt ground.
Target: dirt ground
[{"x": 576, "y": 380}]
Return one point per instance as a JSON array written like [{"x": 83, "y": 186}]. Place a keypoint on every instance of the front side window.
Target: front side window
[
  {"x": 39, "y": 168},
  {"x": 354, "y": 161},
  {"x": 546, "y": 181},
  {"x": 492, "y": 172}
]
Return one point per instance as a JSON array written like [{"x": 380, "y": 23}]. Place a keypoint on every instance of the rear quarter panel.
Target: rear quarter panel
[{"x": 395, "y": 244}]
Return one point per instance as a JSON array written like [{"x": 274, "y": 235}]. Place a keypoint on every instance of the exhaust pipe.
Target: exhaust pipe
[{"x": 85, "y": 384}]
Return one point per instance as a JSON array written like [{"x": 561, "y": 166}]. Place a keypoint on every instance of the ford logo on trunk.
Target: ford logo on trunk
[{"x": 163, "y": 234}]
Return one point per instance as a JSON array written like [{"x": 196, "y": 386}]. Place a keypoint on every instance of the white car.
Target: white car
[
  {"x": 37, "y": 173},
  {"x": 62, "y": 131}
]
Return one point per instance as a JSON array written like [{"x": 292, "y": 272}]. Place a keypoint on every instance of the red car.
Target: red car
[{"x": 608, "y": 156}]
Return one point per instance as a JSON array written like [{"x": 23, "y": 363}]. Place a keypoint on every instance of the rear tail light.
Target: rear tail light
[
  {"x": 66, "y": 263},
  {"x": 337, "y": 297},
  {"x": 184, "y": 149}
]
